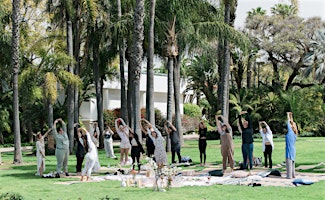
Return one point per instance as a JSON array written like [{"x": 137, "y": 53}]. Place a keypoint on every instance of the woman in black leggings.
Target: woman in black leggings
[
  {"x": 202, "y": 141},
  {"x": 136, "y": 149}
]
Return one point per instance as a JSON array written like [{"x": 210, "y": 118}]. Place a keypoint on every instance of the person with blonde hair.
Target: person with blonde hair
[
  {"x": 40, "y": 152},
  {"x": 291, "y": 138}
]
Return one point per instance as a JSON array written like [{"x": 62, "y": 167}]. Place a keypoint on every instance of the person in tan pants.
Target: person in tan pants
[{"x": 227, "y": 145}]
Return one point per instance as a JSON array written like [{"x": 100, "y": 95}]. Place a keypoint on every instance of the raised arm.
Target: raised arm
[
  {"x": 172, "y": 126},
  {"x": 239, "y": 125},
  {"x": 110, "y": 131},
  {"x": 47, "y": 133},
  {"x": 218, "y": 124},
  {"x": 122, "y": 121},
  {"x": 116, "y": 123},
  {"x": 143, "y": 129},
  {"x": 156, "y": 130},
  {"x": 166, "y": 128}
]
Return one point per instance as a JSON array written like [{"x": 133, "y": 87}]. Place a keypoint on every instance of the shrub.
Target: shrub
[
  {"x": 192, "y": 110},
  {"x": 11, "y": 196}
]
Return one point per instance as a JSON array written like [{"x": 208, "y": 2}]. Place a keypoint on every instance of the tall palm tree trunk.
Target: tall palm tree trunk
[
  {"x": 70, "y": 88},
  {"x": 136, "y": 56},
  {"x": 15, "y": 68},
  {"x": 98, "y": 86},
  {"x": 170, "y": 66},
  {"x": 150, "y": 110},
  {"x": 226, "y": 66},
  {"x": 178, "y": 121},
  {"x": 124, "y": 109}
]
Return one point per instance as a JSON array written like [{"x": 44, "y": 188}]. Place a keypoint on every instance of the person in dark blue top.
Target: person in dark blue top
[{"x": 246, "y": 129}]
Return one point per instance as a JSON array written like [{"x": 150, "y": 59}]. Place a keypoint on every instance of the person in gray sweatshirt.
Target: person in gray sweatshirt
[{"x": 62, "y": 147}]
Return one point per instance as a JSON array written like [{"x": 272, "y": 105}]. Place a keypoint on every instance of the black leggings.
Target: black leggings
[
  {"x": 268, "y": 154},
  {"x": 135, "y": 155},
  {"x": 178, "y": 155},
  {"x": 202, "y": 148},
  {"x": 79, "y": 163}
]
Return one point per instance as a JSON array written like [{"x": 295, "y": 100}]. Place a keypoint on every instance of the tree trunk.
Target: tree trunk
[
  {"x": 130, "y": 93},
  {"x": 98, "y": 87},
  {"x": 29, "y": 132},
  {"x": 71, "y": 97},
  {"x": 150, "y": 109},
  {"x": 176, "y": 81},
  {"x": 226, "y": 68},
  {"x": 15, "y": 68},
  {"x": 136, "y": 57},
  {"x": 76, "y": 51},
  {"x": 124, "y": 109},
  {"x": 291, "y": 78},
  {"x": 170, "y": 75},
  {"x": 51, "y": 141}
]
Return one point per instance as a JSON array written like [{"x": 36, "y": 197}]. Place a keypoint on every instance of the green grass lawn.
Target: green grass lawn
[{"x": 21, "y": 179}]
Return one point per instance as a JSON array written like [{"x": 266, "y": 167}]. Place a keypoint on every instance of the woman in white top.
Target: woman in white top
[
  {"x": 267, "y": 142},
  {"x": 91, "y": 157},
  {"x": 123, "y": 131},
  {"x": 40, "y": 153},
  {"x": 108, "y": 142},
  {"x": 94, "y": 132}
]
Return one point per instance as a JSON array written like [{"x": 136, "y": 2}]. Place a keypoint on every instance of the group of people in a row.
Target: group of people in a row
[
  {"x": 246, "y": 129},
  {"x": 87, "y": 144}
]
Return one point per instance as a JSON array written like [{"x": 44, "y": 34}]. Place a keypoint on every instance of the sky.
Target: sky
[{"x": 307, "y": 8}]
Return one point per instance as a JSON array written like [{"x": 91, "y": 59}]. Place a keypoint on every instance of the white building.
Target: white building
[{"x": 112, "y": 96}]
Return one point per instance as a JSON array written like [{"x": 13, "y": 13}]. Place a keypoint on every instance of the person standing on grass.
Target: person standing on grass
[
  {"x": 94, "y": 132},
  {"x": 136, "y": 149},
  {"x": 291, "y": 138},
  {"x": 80, "y": 151},
  {"x": 62, "y": 147},
  {"x": 40, "y": 152},
  {"x": 227, "y": 144},
  {"x": 246, "y": 129},
  {"x": 91, "y": 157},
  {"x": 174, "y": 140},
  {"x": 123, "y": 131},
  {"x": 108, "y": 142},
  {"x": 267, "y": 142},
  {"x": 202, "y": 142},
  {"x": 158, "y": 140}
]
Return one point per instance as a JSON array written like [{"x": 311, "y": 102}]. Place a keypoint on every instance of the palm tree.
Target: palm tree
[
  {"x": 136, "y": 58},
  {"x": 124, "y": 110},
  {"x": 150, "y": 112},
  {"x": 15, "y": 68}
]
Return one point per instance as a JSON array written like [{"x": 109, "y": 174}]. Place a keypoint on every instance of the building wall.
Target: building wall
[{"x": 111, "y": 97}]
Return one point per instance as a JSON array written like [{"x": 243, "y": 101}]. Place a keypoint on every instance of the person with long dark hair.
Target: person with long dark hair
[
  {"x": 91, "y": 157},
  {"x": 136, "y": 149},
  {"x": 202, "y": 142},
  {"x": 80, "y": 151},
  {"x": 40, "y": 152},
  {"x": 267, "y": 143}
]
